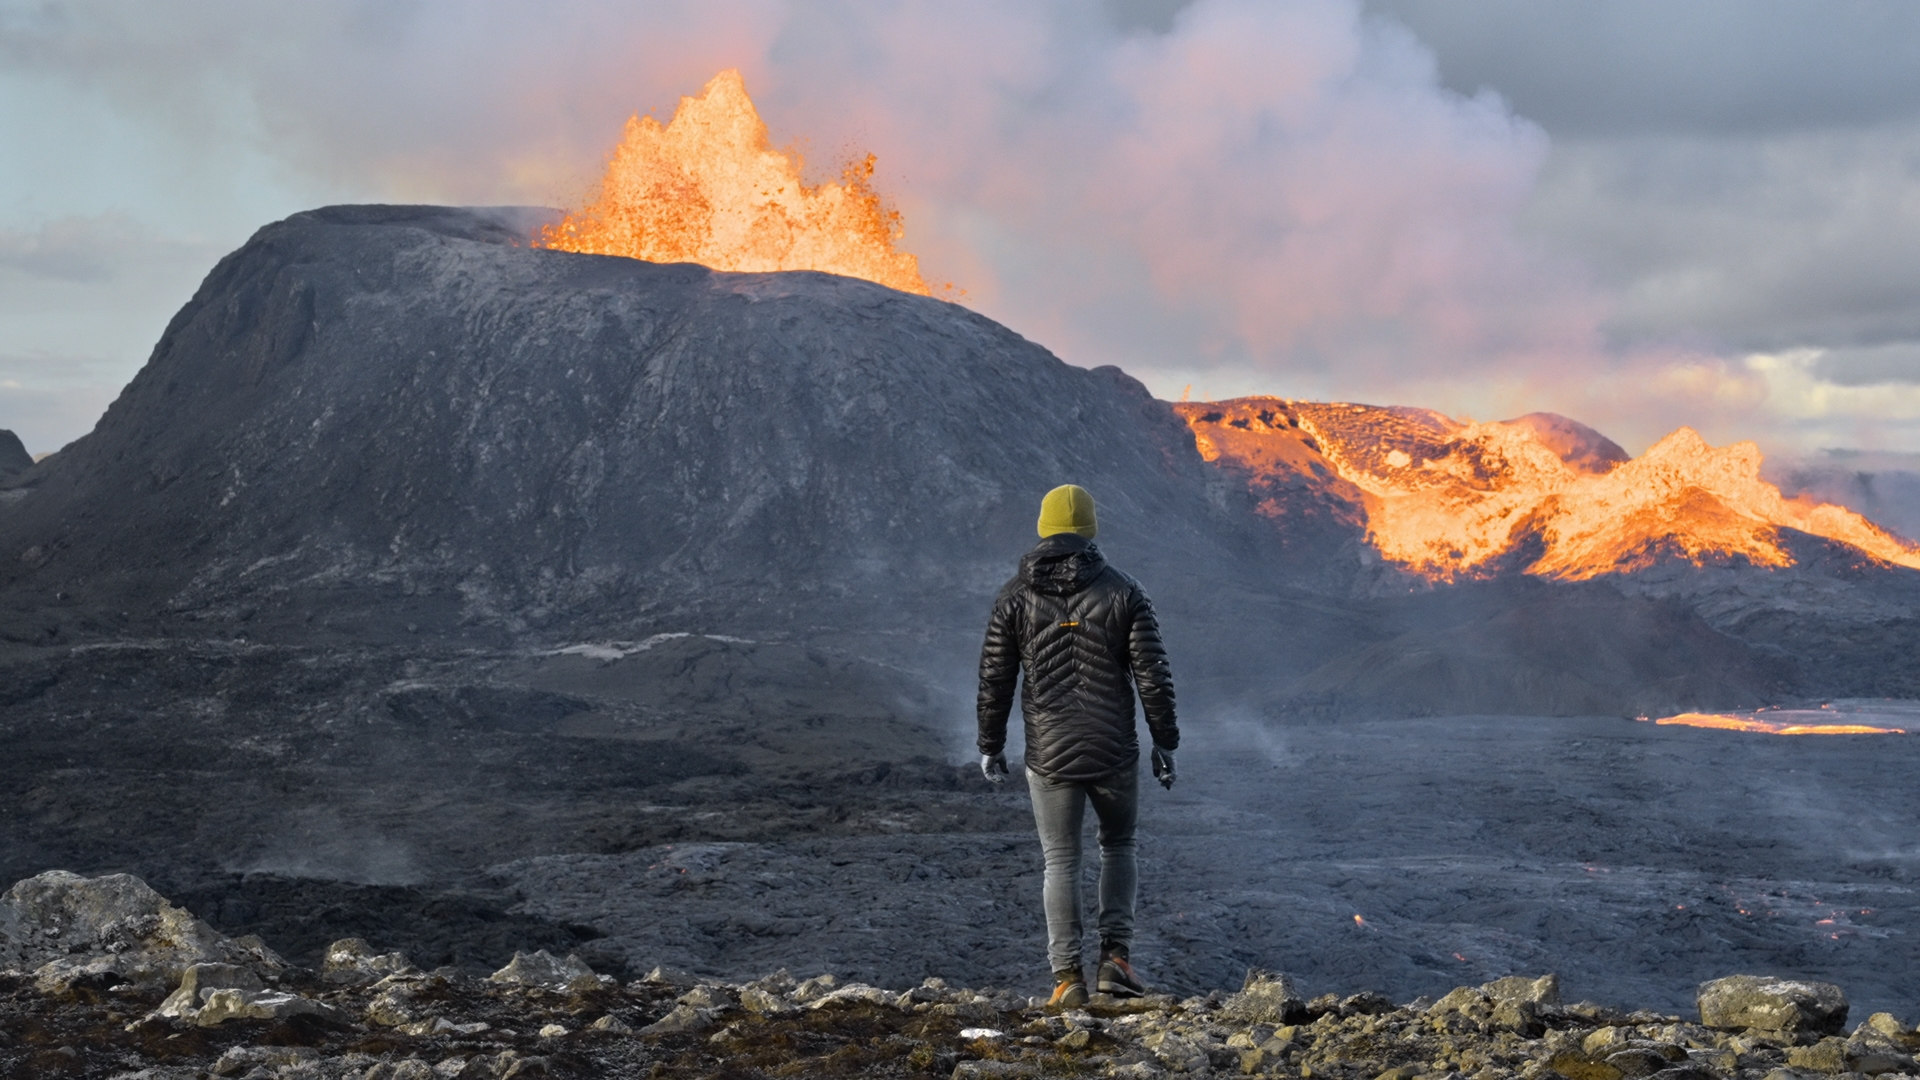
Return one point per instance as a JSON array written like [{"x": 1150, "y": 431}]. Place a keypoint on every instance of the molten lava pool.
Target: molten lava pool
[{"x": 1849, "y": 717}]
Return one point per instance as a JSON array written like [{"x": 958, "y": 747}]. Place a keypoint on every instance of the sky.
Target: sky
[{"x": 1638, "y": 213}]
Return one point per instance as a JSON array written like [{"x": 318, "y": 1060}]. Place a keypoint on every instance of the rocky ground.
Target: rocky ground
[
  {"x": 104, "y": 978},
  {"x": 709, "y": 805}
]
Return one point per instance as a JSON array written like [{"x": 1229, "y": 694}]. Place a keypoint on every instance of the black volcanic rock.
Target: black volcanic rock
[
  {"x": 14, "y": 458},
  {"x": 404, "y": 415}
]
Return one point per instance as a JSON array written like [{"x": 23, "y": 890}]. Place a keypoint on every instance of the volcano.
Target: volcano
[{"x": 380, "y": 424}]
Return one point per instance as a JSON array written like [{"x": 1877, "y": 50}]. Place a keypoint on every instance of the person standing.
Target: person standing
[{"x": 1079, "y": 637}]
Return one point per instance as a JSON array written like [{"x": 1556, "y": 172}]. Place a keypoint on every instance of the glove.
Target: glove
[
  {"x": 1163, "y": 767},
  {"x": 994, "y": 768}
]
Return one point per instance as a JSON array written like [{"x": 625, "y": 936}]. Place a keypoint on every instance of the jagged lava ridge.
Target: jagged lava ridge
[{"x": 1544, "y": 495}]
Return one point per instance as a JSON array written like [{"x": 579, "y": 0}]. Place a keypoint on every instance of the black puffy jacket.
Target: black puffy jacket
[{"x": 1083, "y": 635}]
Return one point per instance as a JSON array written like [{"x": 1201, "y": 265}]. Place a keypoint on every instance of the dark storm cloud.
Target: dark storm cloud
[
  {"x": 1633, "y": 67},
  {"x": 1870, "y": 367}
]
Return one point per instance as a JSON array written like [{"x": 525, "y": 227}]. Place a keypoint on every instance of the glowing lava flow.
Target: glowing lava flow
[
  {"x": 1449, "y": 499},
  {"x": 1755, "y": 722},
  {"x": 708, "y": 188}
]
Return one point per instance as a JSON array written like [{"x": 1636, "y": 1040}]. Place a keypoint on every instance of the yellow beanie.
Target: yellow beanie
[{"x": 1068, "y": 508}]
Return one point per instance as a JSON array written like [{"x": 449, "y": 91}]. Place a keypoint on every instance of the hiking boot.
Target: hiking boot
[
  {"x": 1117, "y": 977},
  {"x": 1069, "y": 991}
]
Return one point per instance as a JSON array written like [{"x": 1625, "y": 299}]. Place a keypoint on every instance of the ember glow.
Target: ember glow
[
  {"x": 1450, "y": 499},
  {"x": 708, "y": 188}
]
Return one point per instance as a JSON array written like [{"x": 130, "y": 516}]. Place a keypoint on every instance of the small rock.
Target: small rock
[
  {"x": 198, "y": 979},
  {"x": 1774, "y": 1005},
  {"x": 1577, "y": 1066},
  {"x": 541, "y": 968},
  {"x": 972, "y": 1033},
  {"x": 1077, "y": 1039},
  {"x": 850, "y": 994},
  {"x": 412, "y": 1069},
  {"x": 1544, "y": 990},
  {"x": 994, "y": 1070},
  {"x": 1875, "y": 1060},
  {"x": 553, "y": 1031},
  {"x": 1828, "y": 1056},
  {"x": 1366, "y": 1003},
  {"x": 708, "y": 996},
  {"x": 816, "y": 987},
  {"x": 611, "y": 1023},
  {"x": 351, "y": 961},
  {"x": 1265, "y": 998},
  {"x": 1637, "y": 1061},
  {"x": 682, "y": 1018},
  {"x": 432, "y": 1025},
  {"x": 224, "y": 1005},
  {"x": 241, "y": 1059},
  {"x": 393, "y": 1005},
  {"x": 764, "y": 1002},
  {"x": 1604, "y": 1041},
  {"x": 1887, "y": 1024},
  {"x": 524, "y": 1068},
  {"x": 1518, "y": 1015},
  {"x": 1176, "y": 1051}
]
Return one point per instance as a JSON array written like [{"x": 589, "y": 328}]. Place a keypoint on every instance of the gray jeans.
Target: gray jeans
[{"x": 1060, "y": 810}]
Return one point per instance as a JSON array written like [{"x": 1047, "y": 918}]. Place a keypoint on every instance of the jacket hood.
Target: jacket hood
[{"x": 1062, "y": 564}]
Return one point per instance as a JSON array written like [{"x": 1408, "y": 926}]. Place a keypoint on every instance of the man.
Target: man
[{"x": 1083, "y": 635}]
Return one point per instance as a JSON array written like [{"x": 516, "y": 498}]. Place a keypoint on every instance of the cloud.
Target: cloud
[
  {"x": 1791, "y": 241},
  {"x": 78, "y": 249},
  {"x": 1870, "y": 366},
  {"x": 1617, "y": 68},
  {"x": 1250, "y": 196}
]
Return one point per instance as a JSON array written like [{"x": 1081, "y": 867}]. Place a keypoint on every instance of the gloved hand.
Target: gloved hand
[
  {"x": 1163, "y": 767},
  {"x": 994, "y": 768}
]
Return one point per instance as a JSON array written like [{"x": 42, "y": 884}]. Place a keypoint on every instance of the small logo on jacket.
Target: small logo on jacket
[{"x": 1069, "y": 624}]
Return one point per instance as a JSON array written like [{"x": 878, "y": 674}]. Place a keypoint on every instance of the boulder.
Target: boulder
[
  {"x": 542, "y": 968},
  {"x": 683, "y": 1018},
  {"x": 63, "y": 927},
  {"x": 352, "y": 961},
  {"x": 1781, "y": 1006},
  {"x": 1544, "y": 990},
  {"x": 212, "y": 994},
  {"x": 1266, "y": 998}
]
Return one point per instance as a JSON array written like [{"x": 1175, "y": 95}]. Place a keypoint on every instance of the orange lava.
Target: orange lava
[
  {"x": 1450, "y": 499},
  {"x": 1730, "y": 722},
  {"x": 709, "y": 188}
]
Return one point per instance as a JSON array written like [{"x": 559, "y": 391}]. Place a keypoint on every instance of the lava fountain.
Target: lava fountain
[{"x": 709, "y": 188}]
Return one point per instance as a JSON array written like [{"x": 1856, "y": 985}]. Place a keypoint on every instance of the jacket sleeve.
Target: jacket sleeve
[
  {"x": 1151, "y": 673},
  {"x": 999, "y": 672}
]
